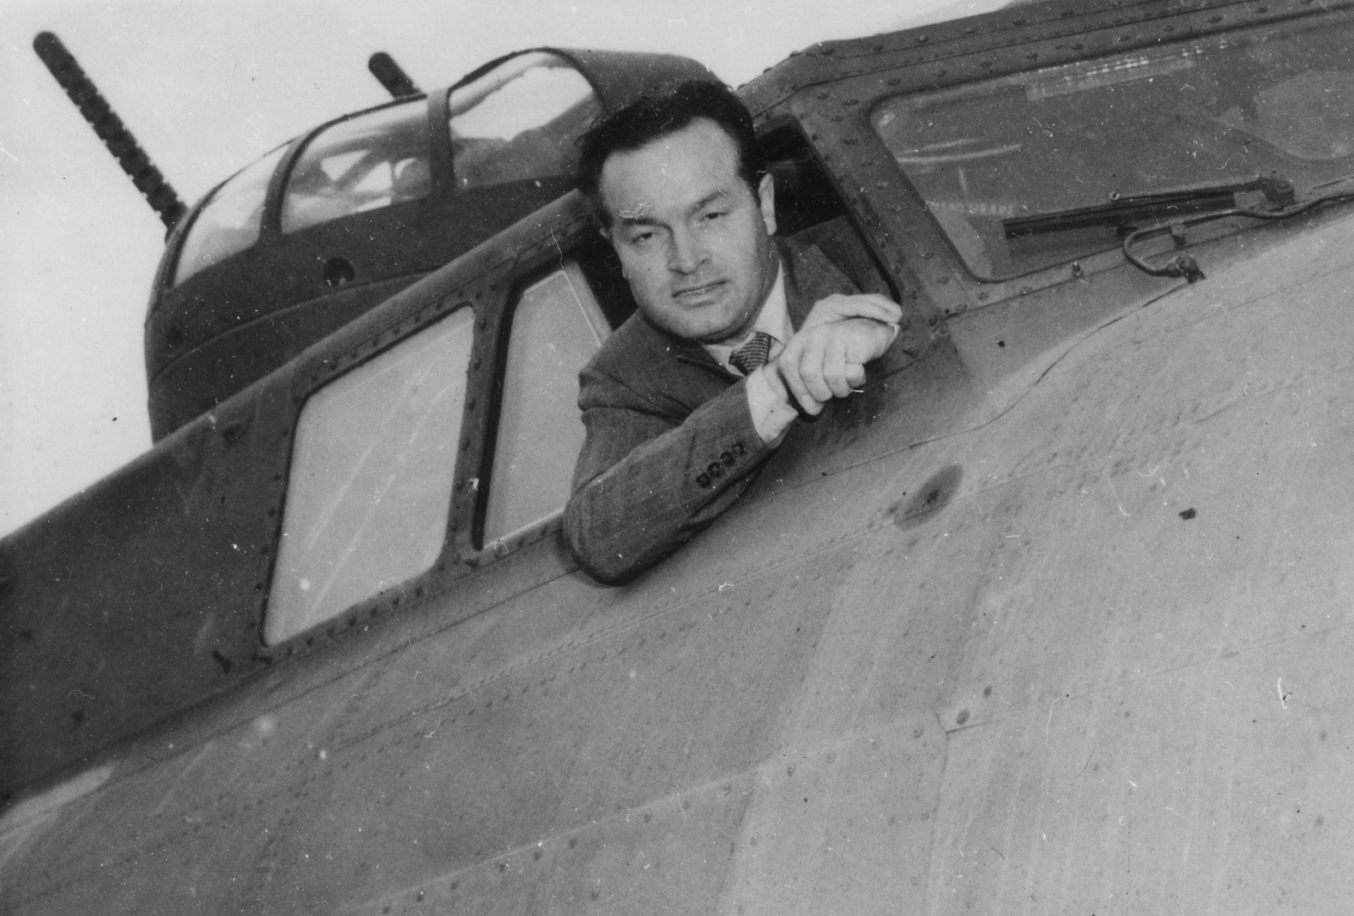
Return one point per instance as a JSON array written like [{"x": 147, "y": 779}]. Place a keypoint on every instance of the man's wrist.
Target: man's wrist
[{"x": 771, "y": 404}]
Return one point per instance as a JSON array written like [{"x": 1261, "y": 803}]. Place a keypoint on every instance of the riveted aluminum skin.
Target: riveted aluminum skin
[{"x": 1051, "y": 617}]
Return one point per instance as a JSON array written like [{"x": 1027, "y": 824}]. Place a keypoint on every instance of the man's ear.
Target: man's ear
[{"x": 766, "y": 197}]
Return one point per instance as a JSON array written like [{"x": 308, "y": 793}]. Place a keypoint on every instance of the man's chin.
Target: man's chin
[
  {"x": 704, "y": 327},
  {"x": 715, "y": 333}
]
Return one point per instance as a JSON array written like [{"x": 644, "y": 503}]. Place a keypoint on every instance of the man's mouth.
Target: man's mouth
[{"x": 696, "y": 292}]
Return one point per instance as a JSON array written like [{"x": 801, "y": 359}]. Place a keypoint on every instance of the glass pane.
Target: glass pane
[
  {"x": 230, "y": 221},
  {"x": 365, "y": 163},
  {"x": 999, "y": 164},
  {"x": 371, "y": 478},
  {"x": 556, "y": 328},
  {"x": 519, "y": 121}
]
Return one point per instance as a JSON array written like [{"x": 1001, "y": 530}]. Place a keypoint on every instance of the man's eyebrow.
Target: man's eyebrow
[
  {"x": 707, "y": 200},
  {"x": 640, "y": 216}
]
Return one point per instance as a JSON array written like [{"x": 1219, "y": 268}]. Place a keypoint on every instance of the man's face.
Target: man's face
[{"x": 693, "y": 240}]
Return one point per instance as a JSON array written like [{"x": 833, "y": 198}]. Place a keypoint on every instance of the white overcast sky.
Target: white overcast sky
[{"x": 207, "y": 87}]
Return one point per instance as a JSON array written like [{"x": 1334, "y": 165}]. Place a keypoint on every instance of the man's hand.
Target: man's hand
[
  {"x": 824, "y": 359},
  {"x": 828, "y": 360},
  {"x": 863, "y": 305}
]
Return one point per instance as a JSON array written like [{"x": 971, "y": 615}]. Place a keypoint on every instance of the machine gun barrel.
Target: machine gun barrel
[
  {"x": 391, "y": 75},
  {"x": 115, "y": 135}
]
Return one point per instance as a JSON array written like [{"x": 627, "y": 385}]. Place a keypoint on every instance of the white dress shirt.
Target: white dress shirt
[{"x": 771, "y": 414}]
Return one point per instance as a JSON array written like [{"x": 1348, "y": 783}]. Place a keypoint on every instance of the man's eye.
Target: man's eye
[
  {"x": 639, "y": 238},
  {"x": 713, "y": 215}
]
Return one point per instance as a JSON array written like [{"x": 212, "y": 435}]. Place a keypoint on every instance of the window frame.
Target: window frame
[
  {"x": 507, "y": 541},
  {"x": 1185, "y": 48},
  {"x": 416, "y": 125},
  {"x": 458, "y": 324},
  {"x": 490, "y": 279},
  {"x": 444, "y": 114},
  {"x": 836, "y": 116},
  {"x": 487, "y": 279}
]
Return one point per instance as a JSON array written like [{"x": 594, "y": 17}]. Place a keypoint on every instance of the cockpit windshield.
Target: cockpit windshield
[
  {"x": 987, "y": 158},
  {"x": 519, "y": 121},
  {"x": 363, "y": 163},
  {"x": 230, "y": 221}
]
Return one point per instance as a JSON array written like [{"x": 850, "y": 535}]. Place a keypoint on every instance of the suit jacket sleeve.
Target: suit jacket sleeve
[
  {"x": 649, "y": 477},
  {"x": 670, "y": 443}
]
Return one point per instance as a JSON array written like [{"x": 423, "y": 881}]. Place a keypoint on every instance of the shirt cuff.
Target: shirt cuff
[{"x": 771, "y": 413}]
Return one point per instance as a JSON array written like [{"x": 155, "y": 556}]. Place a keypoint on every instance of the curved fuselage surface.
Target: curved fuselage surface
[{"x": 1052, "y": 617}]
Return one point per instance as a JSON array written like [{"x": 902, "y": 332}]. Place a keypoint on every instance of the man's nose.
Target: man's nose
[{"x": 685, "y": 252}]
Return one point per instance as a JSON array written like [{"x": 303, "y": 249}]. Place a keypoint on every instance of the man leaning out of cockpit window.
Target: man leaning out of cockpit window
[{"x": 738, "y": 332}]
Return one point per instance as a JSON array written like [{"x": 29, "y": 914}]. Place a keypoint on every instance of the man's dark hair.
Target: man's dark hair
[{"x": 653, "y": 117}]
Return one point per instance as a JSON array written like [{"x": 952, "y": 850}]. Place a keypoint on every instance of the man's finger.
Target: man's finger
[
  {"x": 787, "y": 365},
  {"x": 792, "y": 364},
  {"x": 814, "y": 361},
  {"x": 834, "y": 367},
  {"x": 880, "y": 308},
  {"x": 828, "y": 361},
  {"x": 866, "y": 305}
]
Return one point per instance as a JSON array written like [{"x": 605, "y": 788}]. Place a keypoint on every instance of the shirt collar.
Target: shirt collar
[{"x": 773, "y": 319}]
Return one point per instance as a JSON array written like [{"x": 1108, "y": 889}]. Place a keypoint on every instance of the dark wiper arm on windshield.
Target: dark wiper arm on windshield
[
  {"x": 1155, "y": 207},
  {"x": 1184, "y": 265}
]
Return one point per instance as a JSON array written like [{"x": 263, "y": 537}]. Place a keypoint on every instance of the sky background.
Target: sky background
[{"x": 207, "y": 87}]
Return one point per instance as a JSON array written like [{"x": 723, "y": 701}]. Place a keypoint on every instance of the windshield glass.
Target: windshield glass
[
  {"x": 986, "y": 157},
  {"x": 364, "y": 163},
  {"x": 371, "y": 476},
  {"x": 230, "y": 221},
  {"x": 519, "y": 121}
]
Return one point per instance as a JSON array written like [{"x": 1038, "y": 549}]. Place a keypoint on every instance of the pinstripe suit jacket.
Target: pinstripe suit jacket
[{"x": 670, "y": 442}]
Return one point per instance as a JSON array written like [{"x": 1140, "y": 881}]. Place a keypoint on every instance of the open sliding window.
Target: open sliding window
[
  {"x": 557, "y": 325},
  {"x": 369, "y": 491}
]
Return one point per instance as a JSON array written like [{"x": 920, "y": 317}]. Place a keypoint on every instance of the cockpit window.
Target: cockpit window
[
  {"x": 1000, "y": 163},
  {"x": 230, "y": 220},
  {"x": 364, "y": 163},
  {"x": 556, "y": 327},
  {"x": 369, "y": 491},
  {"x": 519, "y": 121}
]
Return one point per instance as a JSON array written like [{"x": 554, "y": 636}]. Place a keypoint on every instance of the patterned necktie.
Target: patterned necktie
[{"x": 752, "y": 355}]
